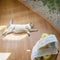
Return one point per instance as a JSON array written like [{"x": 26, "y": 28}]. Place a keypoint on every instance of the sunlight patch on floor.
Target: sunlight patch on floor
[
  {"x": 4, "y": 56},
  {"x": 2, "y": 27},
  {"x": 15, "y": 37}
]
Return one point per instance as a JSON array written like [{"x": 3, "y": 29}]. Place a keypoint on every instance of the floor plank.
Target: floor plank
[{"x": 21, "y": 49}]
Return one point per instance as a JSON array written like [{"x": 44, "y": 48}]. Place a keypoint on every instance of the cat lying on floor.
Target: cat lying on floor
[{"x": 19, "y": 28}]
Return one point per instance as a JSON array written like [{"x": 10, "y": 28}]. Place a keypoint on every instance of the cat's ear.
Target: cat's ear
[{"x": 11, "y": 22}]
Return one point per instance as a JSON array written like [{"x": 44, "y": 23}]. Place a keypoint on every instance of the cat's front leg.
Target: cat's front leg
[
  {"x": 27, "y": 31},
  {"x": 33, "y": 30}
]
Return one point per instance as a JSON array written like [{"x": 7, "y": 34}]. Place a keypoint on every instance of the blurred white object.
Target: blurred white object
[
  {"x": 38, "y": 52},
  {"x": 4, "y": 56}
]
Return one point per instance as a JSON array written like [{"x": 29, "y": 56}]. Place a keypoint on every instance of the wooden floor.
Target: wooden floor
[{"x": 21, "y": 49}]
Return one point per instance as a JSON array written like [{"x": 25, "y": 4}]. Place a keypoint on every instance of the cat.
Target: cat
[{"x": 19, "y": 28}]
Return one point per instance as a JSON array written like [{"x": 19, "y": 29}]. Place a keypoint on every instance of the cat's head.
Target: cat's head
[{"x": 31, "y": 24}]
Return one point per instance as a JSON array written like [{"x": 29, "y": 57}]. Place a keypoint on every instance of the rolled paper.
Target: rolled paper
[
  {"x": 42, "y": 36},
  {"x": 47, "y": 56},
  {"x": 50, "y": 41}
]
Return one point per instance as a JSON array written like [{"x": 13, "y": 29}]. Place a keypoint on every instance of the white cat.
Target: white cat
[{"x": 19, "y": 28}]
